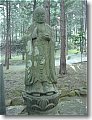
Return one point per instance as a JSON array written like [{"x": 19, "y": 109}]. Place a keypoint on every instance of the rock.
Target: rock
[
  {"x": 14, "y": 110},
  {"x": 76, "y": 106},
  {"x": 66, "y": 85},
  {"x": 17, "y": 101},
  {"x": 83, "y": 91},
  {"x": 72, "y": 93},
  {"x": 64, "y": 92},
  {"x": 7, "y": 102},
  {"x": 77, "y": 92}
]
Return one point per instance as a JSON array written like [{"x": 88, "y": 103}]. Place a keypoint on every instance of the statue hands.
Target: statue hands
[{"x": 45, "y": 37}]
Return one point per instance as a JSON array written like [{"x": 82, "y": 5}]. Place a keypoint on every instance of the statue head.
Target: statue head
[{"x": 39, "y": 15}]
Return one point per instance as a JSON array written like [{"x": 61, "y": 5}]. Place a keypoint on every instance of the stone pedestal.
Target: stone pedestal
[
  {"x": 51, "y": 112},
  {"x": 41, "y": 105}
]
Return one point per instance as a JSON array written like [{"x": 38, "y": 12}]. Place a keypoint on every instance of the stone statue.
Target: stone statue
[{"x": 40, "y": 81}]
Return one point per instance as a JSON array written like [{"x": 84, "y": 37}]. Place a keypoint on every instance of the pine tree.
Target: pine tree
[{"x": 63, "y": 39}]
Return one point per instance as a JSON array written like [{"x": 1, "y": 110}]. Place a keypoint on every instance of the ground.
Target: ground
[{"x": 72, "y": 87}]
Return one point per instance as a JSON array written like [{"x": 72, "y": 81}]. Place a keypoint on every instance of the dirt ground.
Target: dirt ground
[{"x": 74, "y": 80}]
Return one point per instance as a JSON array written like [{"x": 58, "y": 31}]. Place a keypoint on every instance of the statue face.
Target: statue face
[{"x": 39, "y": 15}]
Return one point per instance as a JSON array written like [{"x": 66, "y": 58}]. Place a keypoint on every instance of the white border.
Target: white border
[{"x": 90, "y": 82}]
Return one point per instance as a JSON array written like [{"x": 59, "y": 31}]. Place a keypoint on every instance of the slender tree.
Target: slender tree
[
  {"x": 47, "y": 8},
  {"x": 34, "y": 6},
  {"x": 8, "y": 34},
  {"x": 9, "y": 31},
  {"x": 63, "y": 38}
]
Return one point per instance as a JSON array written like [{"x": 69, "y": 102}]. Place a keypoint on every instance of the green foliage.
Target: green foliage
[
  {"x": 73, "y": 51},
  {"x": 22, "y": 14},
  {"x": 82, "y": 34},
  {"x": 54, "y": 11},
  {"x": 76, "y": 40},
  {"x": 70, "y": 45},
  {"x": 68, "y": 4}
]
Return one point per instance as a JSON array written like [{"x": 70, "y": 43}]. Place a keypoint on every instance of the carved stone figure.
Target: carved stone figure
[{"x": 40, "y": 83}]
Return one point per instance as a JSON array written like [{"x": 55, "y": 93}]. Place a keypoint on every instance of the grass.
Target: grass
[
  {"x": 19, "y": 57},
  {"x": 73, "y": 51},
  {"x": 13, "y": 58}
]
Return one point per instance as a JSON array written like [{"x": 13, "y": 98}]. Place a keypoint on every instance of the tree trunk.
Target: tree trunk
[
  {"x": 4, "y": 25},
  {"x": 66, "y": 37},
  {"x": 9, "y": 32},
  {"x": 7, "y": 35},
  {"x": 12, "y": 31},
  {"x": 69, "y": 27},
  {"x": 23, "y": 28},
  {"x": 82, "y": 29},
  {"x": 4, "y": 30},
  {"x": 63, "y": 39},
  {"x": 23, "y": 55},
  {"x": 34, "y": 6},
  {"x": 47, "y": 8},
  {"x": 16, "y": 36},
  {"x": 85, "y": 29},
  {"x": 10, "y": 48}
]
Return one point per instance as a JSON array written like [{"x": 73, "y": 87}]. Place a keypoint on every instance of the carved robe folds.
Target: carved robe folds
[
  {"x": 40, "y": 67},
  {"x": 41, "y": 93}
]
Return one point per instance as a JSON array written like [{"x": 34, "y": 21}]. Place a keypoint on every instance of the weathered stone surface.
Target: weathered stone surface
[
  {"x": 40, "y": 79},
  {"x": 67, "y": 106},
  {"x": 40, "y": 103},
  {"x": 53, "y": 111},
  {"x": 40, "y": 62},
  {"x": 73, "y": 106},
  {"x": 15, "y": 110},
  {"x": 64, "y": 92},
  {"x": 14, "y": 101},
  {"x": 77, "y": 92},
  {"x": 72, "y": 93},
  {"x": 17, "y": 101},
  {"x": 83, "y": 91},
  {"x": 7, "y": 102}
]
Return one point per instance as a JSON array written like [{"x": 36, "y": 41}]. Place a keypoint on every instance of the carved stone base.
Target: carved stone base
[{"x": 40, "y": 104}]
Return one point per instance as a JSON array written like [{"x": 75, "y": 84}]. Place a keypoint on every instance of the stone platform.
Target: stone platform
[{"x": 40, "y": 104}]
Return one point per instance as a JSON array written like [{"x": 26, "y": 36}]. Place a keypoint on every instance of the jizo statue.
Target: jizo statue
[{"x": 40, "y": 78}]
